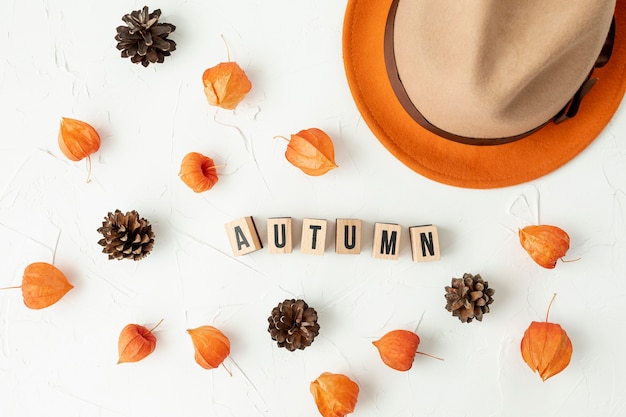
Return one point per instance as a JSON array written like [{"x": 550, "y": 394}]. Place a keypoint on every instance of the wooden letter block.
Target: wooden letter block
[
  {"x": 348, "y": 237},
  {"x": 313, "y": 236},
  {"x": 243, "y": 236},
  {"x": 386, "y": 243},
  {"x": 279, "y": 235},
  {"x": 424, "y": 243}
]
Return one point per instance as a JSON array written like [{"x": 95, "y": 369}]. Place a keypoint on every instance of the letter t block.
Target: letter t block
[{"x": 313, "y": 236}]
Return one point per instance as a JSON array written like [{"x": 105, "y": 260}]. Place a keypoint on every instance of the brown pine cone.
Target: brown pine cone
[
  {"x": 126, "y": 236},
  {"x": 143, "y": 39},
  {"x": 469, "y": 297},
  {"x": 293, "y": 324}
]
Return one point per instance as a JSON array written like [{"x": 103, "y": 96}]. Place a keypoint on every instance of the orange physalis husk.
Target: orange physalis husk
[
  {"x": 335, "y": 394},
  {"x": 545, "y": 244},
  {"x": 78, "y": 140},
  {"x": 398, "y": 348},
  {"x": 136, "y": 342},
  {"x": 211, "y": 346},
  {"x": 198, "y": 172},
  {"x": 546, "y": 348},
  {"x": 225, "y": 85},
  {"x": 43, "y": 284},
  {"x": 312, "y": 151}
]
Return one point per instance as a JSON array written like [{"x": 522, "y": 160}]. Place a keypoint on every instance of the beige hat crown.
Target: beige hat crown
[{"x": 496, "y": 68}]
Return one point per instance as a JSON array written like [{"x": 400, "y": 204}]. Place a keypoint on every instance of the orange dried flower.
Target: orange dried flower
[
  {"x": 136, "y": 342},
  {"x": 211, "y": 346},
  {"x": 312, "y": 151},
  {"x": 335, "y": 394},
  {"x": 397, "y": 349},
  {"x": 43, "y": 284},
  {"x": 225, "y": 85},
  {"x": 198, "y": 172},
  {"x": 77, "y": 139},
  {"x": 545, "y": 244},
  {"x": 546, "y": 348}
]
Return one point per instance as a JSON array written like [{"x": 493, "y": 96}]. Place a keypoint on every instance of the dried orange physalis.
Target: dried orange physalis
[
  {"x": 198, "y": 172},
  {"x": 546, "y": 348},
  {"x": 545, "y": 244},
  {"x": 312, "y": 151},
  {"x": 78, "y": 139},
  {"x": 136, "y": 342},
  {"x": 225, "y": 85},
  {"x": 43, "y": 284},
  {"x": 211, "y": 346},
  {"x": 335, "y": 394},
  {"x": 398, "y": 348}
]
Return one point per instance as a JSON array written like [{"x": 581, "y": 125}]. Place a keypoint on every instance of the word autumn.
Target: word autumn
[{"x": 244, "y": 238}]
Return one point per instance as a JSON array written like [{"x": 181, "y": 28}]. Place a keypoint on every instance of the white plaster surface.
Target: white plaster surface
[{"x": 58, "y": 59}]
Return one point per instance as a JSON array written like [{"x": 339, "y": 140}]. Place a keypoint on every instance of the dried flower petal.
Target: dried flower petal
[
  {"x": 198, "y": 172},
  {"x": 546, "y": 348},
  {"x": 545, "y": 244},
  {"x": 43, "y": 284},
  {"x": 211, "y": 346},
  {"x": 77, "y": 139},
  {"x": 397, "y": 349},
  {"x": 135, "y": 343},
  {"x": 225, "y": 85},
  {"x": 335, "y": 394},
  {"x": 312, "y": 151}
]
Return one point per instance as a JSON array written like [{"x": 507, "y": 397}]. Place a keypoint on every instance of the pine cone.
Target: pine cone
[
  {"x": 469, "y": 297},
  {"x": 126, "y": 236},
  {"x": 144, "y": 40},
  {"x": 293, "y": 324}
]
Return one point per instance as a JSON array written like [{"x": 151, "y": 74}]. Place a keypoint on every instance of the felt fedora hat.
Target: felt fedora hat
[{"x": 485, "y": 93}]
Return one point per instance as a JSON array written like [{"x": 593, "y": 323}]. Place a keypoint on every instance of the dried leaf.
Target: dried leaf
[
  {"x": 397, "y": 349},
  {"x": 77, "y": 139},
  {"x": 545, "y": 244},
  {"x": 312, "y": 151},
  {"x": 335, "y": 394},
  {"x": 198, "y": 172},
  {"x": 225, "y": 85},
  {"x": 135, "y": 343},
  {"x": 546, "y": 348},
  {"x": 211, "y": 346},
  {"x": 43, "y": 284}
]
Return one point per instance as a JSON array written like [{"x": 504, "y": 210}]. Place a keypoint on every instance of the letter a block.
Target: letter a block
[
  {"x": 424, "y": 243},
  {"x": 313, "y": 236},
  {"x": 279, "y": 235},
  {"x": 243, "y": 236},
  {"x": 348, "y": 237},
  {"x": 386, "y": 243}
]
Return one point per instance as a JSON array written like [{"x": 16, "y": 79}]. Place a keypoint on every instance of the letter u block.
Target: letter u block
[
  {"x": 348, "y": 237},
  {"x": 279, "y": 238},
  {"x": 386, "y": 243},
  {"x": 243, "y": 236}
]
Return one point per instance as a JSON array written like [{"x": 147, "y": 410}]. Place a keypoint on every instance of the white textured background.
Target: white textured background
[{"x": 58, "y": 59}]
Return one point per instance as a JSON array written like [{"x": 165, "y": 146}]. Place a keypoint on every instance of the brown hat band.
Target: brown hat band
[{"x": 568, "y": 111}]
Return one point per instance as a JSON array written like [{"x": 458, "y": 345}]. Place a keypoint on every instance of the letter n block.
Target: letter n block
[
  {"x": 243, "y": 236},
  {"x": 386, "y": 243},
  {"x": 348, "y": 237},
  {"x": 313, "y": 236},
  {"x": 279, "y": 238},
  {"x": 424, "y": 243}
]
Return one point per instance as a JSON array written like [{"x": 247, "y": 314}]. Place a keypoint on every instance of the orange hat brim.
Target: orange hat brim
[{"x": 458, "y": 164}]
